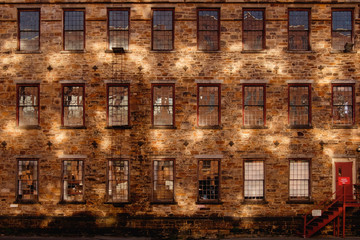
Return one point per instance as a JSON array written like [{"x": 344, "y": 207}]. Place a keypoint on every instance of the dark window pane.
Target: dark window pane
[
  {"x": 253, "y": 34},
  {"x": 73, "y": 106},
  {"x": 253, "y": 40},
  {"x": 208, "y": 106},
  {"x": 162, "y": 30},
  {"x": 208, "y": 20},
  {"x": 163, "y": 186},
  {"x": 27, "y": 182},
  {"x": 28, "y": 105},
  {"x": 254, "y": 105},
  {"x": 343, "y": 105},
  {"x": 299, "y": 105},
  {"x": 29, "y": 30},
  {"x": 341, "y": 20},
  {"x": 253, "y": 20},
  {"x": 163, "y": 105},
  {"x": 299, "y": 20},
  {"x": 74, "y": 30},
  {"x": 208, "y": 30},
  {"x": 118, "y": 104},
  {"x": 339, "y": 39},
  {"x": 298, "y": 40},
  {"x": 118, "y": 177},
  {"x": 73, "y": 180},
  {"x": 208, "y": 180},
  {"x": 119, "y": 29}
]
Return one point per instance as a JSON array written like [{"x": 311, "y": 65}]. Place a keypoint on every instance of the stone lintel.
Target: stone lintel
[
  {"x": 27, "y": 156},
  {"x": 210, "y": 81},
  {"x": 27, "y": 81},
  {"x": 72, "y": 81},
  {"x": 118, "y": 156},
  {"x": 300, "y": 156},
  {"x": 301, "y": 81},
  {"x": 351, "y": 81},
  {"x": 252, "y": 81},
  {"x": 255, "y": 156},
  {"x": 209, "y": 156},
  {"x": 163, "y": 81},
  {"x": 343, "y": 156},
  {"x": 161, "y": 157},
  {"x": 117, "y": 81},
  {"x": 72, "y": 156}
]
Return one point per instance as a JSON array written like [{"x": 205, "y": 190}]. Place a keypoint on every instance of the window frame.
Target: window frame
[
  {"x": 209, "y": 201},
  {"x": 84, "y": 28},
  {"x": 153, "y": 181},
  {"x": 352, "y": 85},
  {"x": 108, "y": 85},
  {"x": 264, "y": 101},
  {"x": 108, "y": 26},
  {"x": 152, "y": 28},
  {"x": 109, "y": 199},
  {"x": 263, "y": 199},
  {"x": 308, "y": 198},
  {"x": 308, "y": 10},
  {"x": 309, "y": 105},
  {"x": 263, "y": 31},
  {"x": 152, "y": 104},
  {"x": 218, "y": 85},
  {"x": 82, "y": 180},
  {"x": 19, "y": 30},
  {"x": 18, "y": 86},
  {"x": 352, "y": 24},
  {"x": 63, "y": 85},
  {"x": 18, "y": 200},
  {"x": 198, "y": 29}
]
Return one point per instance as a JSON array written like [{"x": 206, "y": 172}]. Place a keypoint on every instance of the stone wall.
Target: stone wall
[{"x": 141, "y": 66}]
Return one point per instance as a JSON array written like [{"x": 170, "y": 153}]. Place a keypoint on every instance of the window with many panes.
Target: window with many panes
[
  {"x": 343, "y": 104},
  {"x": 118, "y": 180},
  {"x": 163, "y": 104},
  {"x": 300, "y": 105},
  {"x": 73, "y": 105},
  {"x": 208, "y": 29},
  {"x": 29, "y": 29},
  {"x": 74, "y": 30},
  {"x": 118, "y": 105},
  {"x": 254, "y": 105},
  {"x": 209, "y": 105},
  {"x": 163, "y": 29},
  {"x": 118, "y": 27},
  {"x": 27, "y": 180},
  {"x": 299, "y": 181},
  {"x": 163, "y": 181},
  {"x": 299, "y": 28},
  {"x": 208, "y": 180},
  {"x": 73, "y": 180},
  {"x": 28, "y": 104},
  {"x": 342, "y": 28},
  {"x": 254, "y": 179},
  {"x": 253, "y": 29}
]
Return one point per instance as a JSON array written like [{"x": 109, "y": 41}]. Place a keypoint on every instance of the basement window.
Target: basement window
[
  {"x": 163, "y": 181},
  {"x": 118, "y": 105},
  {"x": 299, "y": 105},
  {"x": 254, "y": 180},
  {"x": 27, "y": 181},
  {"x": 208, "y": 29},
  {"x": 28, "y": 101},
  {"x": 29, "y": 29},
  {"x": 163, "y": 29},
  {"x": 118, "y": 181},
  {"x": 253, "y": 29},
  {"x": 299, "y": 21},
  {"x": 254, "y": 105},
  {"x": 208, "y": 110},
  {"x": 72, "y": 181},
  {"x": 74, "y": 30},
  {"x": 73, "y": 107},
  {"x": 299, "y": 182},
  {"x": 208, "y": 180},
  {"x": 163, "y": 104},
  {"x": 118, "y": 26},
  {"x": 342, "y": 28},
  {"x": 343, "y": 104}
]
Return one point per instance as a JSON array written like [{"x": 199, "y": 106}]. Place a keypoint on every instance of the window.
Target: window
[
  {"x": 28, "y": 104},
  {"x": 208, "y": 180},
  {"x": 254, "y": 179},
  {"x": 118, "y": 104},
  {"x": 74, "y": 30},
  {"x": 27, "y": 180},
  {"x": 254, "y": 105},
  {"x": 208, "y": 105},
  {"x": 253, "y": 29},
  {"x": 342, "y": 28},
  {"x": 118, "y": 25},
  {"x": 73, "y": 108},
  {"x": 118, "y": 180},
  {"x": 208, "y": 29},
  {"x": 299, "y": 105},
  {"x": 299, "y": 182},
  {"x": 299, "y": 20},
  {"x": 163, "y": 29},
  {"x": 72, "y": 181},
  {"x": 29, "y": 29},
  {"x": 163, "y": 104},
  {"x": 163, "y": 182},
  {"x": 342, "y": 104}
]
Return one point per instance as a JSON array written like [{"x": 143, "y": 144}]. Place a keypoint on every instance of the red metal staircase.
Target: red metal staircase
[{"x": 332, "y": 212}]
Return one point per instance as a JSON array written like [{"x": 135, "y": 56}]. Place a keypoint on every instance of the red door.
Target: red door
[{"x": 344, "y": 169}]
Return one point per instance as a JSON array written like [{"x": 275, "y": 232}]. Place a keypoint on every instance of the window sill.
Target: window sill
[
  {"x": 29, "y": 127},
  {"x": 74, "y": 202},
  {"x": 111, "y": 51},
  {"x": 163, "y": 127},
  {"x": 300, "y": 127},
  {"x": 254, "y": 127},
  {"x": 119, "y": 127},
  {"x": 300, "y": 202},
  {"x": 342, "y": 51},
  {"x": 19, "y": 201},
  {"x": 72, "y": 127},
  {"x": 209, "y": 202},
  {"x": 344, "y": 127},
  {"x": 72, "y": 51},
  {"x": 163, "y": 51},
  {"x": 164, "y": 203},
  {"x": 254, "y": 202},
  {"x": 263, "y": 51},
  {"x": 209, "y": 51},
  {"x": 118, "y": 204},
  {"x": 300, "y": 51},
  {"x": 27, "y": 52},
  {"x": 208, "y": 127}
]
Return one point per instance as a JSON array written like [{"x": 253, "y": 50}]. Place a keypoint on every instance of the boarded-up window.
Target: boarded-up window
[
  {"x": 208, "y": 180},
  {"x": 299, "y": 29},
  {"x": 343, "y": 104},
  {"x": 163, "y": 104},
  {"x": 27, "y": 180},
  {"x": 209, "y": 105},
  {"x": 72, "y": 177},
  {"x": 74, "y": 30},
  {"x": 118, "y": 104},
  {"x": 28, "y": 104},
  {"x": 29, "y": 29},
  {"x": 208, "y": 29},
  {"x": 163, "y": 182},
  {"x": 118, "y": 181},
  {"x": 253, "y": 29},
  {"x": 299, "y": 182},
  {"x": 299, "y": 105},
  {"x": 73, "y": 105},
  {"x": 254, "y": 105},
  {"x": 254, "y": 179},
  {"x": 342, "y": 28},
  {"x": 162, "y": 29},
  {"x": 118, "y": 29}
]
